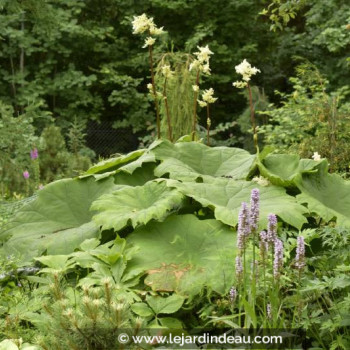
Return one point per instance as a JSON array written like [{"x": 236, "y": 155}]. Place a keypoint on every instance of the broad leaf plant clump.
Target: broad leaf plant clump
[{"x": 180, "y": 236}]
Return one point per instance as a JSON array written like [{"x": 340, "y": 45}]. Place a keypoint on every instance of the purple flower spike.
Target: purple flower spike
[
  {"x": 278, "y": 258},
  {"x": 254, "y": 208},
  {"x": 26, "y": 174},
  {"x": 233, "y": 294},
  {"x": 263, "y": 244},
  {"x": 272, "y": 228},
  {"x": 34, "y": 153},
  {"x": 300, "y": 256},
  {"x": 239, "y": 267},
  {"x": 243, "y": 230}
]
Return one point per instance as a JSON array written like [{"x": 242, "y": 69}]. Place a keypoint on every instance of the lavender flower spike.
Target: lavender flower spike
[
  {"x": 263, "y": 244},
  {"x": 272, "y": 228},
  {"x": 300, "y": 255},
  {"x": 34, "y": 154},
  {"x": 243, "y": 230},
  {"x": 233, "y": 294},
  {"x": 278, "y": 258},
  {"x": 239, "y": 267},
  {"x": 254, "y": 208}
]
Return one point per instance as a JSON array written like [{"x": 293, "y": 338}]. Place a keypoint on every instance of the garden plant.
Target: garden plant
[{"x": 186, "y": 234}]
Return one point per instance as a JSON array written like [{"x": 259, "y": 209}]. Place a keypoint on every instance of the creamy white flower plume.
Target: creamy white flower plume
[
  {"x": 166, "y": 71},
  {"x": 149, "y": 42},
  {"x": 195, "y": 88},
  {"x": 240, "y": 84},
  {"x": 142, "y": 23},
  {"x": 208, "y": 97},
  {"x": 246, "y": 70},
  {"x": 202, "y": 60},
  {"x": 203, "y": 55},
  {"x": 202, "y": 103}
]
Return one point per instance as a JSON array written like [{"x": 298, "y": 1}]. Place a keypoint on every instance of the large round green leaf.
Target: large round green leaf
[
  {"x": 327, "y": 195},
  {"x": 57, "y": 221},
  {"x": 185, "y": 254},
  {"x": 283, "y": 169},
  {"x": 190, "y": 160},
  {"x": 225, "y": 196},
  {"x": 136, "y": 205}
]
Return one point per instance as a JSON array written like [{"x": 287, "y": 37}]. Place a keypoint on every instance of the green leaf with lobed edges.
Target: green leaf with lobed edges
[
  {"x": 185, "y": 254},
  {"x": 190, "y": 160},
  {"x": 136, "y": 205},
  {"x": 57, "y": 221},
  {"x": 225, "y": 196},
  {"x": 111, "y": 164},
  {"x": 327, "y": 195},
  {"x": 136, "y": 167},
  {"x": 283, "y": 169}
]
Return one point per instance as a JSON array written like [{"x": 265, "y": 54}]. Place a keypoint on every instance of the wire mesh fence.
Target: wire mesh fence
[{"x": 105, "y": 140}]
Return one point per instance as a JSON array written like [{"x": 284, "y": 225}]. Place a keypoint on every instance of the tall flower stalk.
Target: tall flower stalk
[
  {"x": 201, "y": 65},
  {"x": 254, "y": 218},
  {"x": 207, "y": 99},
  {"x": 150, "y": 51},
  {"x": 167, "y": 73},
  {"x": 247, "y": 71},
  {"x": 143, "y": 24}
]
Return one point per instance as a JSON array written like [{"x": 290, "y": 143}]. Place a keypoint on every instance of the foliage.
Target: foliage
[
  {"x": 311, "y": 120},
  {"x": 17, "y": 138},
  {"x": 163, "y": 249},
  {"x": 56, "y": 162}
]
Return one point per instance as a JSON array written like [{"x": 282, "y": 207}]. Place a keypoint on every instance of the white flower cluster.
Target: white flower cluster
[
  {"x": 150, "y": 90},
  {"x": 195, "y": 88},
  {"x": 207, "y": 97},
  {"x": 166, "y": 71},
  {"x": 262, "y": 181},
  {"x": 247, "y": 71},
  {"x": 142, "y": 24},
  {"x": 316, "y": 156},
  {"x": 149, "y": 42},
  {"x": 202, "y": 60}
]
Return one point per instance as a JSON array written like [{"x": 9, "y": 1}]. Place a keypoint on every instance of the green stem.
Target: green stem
[
  {"x": 252, "y": 117},
  {"x": 208, "y": 125},
  {"x": 194, "y": 126},
  {"x": 150, "y": 50},
  {"x": 170, "y": 132}
]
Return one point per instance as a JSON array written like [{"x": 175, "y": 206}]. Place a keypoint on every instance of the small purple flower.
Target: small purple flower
[
  {"x": 233, "y": 294},
  {"x": 272, "y": 228},
  {"x": 239, "y": 267},
  {"x": 34, "y": 153},
  {"x": 278, "y": 258},
  {"x": 19, "y": 284},
  {"x": 300, "y": 254},
  {"x": 243, "y": 230},
  {"x": 254, "y": 208},
  {"x": 26, "y": 174}
]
